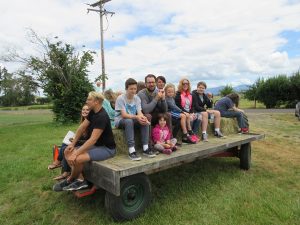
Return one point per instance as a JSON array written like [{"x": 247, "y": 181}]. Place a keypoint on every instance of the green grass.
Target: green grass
[
  {"x": 210, "y": 191},
  {"x": 28, "y": 107}
]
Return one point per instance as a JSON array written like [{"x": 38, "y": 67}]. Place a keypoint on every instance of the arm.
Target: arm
[
  {"x": 237, "y": 109},
  {"x": 155, "y": 135},
  {"x": 195, "y": 104},
  {"x": 178, "y": 101},
  {"x": 79, "y": 132},
  {"x": 208, "y": 101},
  {"x": 96, "y": 133},
  {"x": 147, "y": 107}
]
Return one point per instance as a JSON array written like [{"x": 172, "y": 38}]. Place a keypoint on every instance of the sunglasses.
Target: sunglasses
[{"x": 185, "y": 83}]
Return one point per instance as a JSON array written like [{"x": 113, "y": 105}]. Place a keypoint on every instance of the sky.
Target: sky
[{"x": 219, "y": 42}]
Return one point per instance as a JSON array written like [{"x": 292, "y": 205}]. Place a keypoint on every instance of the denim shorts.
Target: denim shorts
[{"x": 98, "y": 153}]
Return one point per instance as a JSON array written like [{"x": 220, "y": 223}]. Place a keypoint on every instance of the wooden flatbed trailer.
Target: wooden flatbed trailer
[{"x": 127, "y": 186}]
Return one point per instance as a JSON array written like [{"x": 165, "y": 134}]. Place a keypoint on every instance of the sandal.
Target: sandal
[
  {"x": 54, "y": 165},
  {"x": 62, "y": 176}
]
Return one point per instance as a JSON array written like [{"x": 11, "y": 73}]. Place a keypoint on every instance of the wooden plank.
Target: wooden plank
[{"x": 107, "y": 174}]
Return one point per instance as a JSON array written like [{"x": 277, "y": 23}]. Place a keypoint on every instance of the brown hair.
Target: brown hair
[
  {"x": 140, "y": 86},
  {"x": 150, "y": 75},
  {"x": 202, "y": 83},
  {"x": 162, "y": 115},
  {"x": 130, "y": 81},
  {"x": 235, "y": 98},
  {"x": 81, "y": 117},
  {"x": 180, "y": 85}
]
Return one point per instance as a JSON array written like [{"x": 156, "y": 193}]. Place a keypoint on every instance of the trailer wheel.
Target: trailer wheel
[
  {"x": 135, "y": 196},
  {"x": 245, "y": 156}
]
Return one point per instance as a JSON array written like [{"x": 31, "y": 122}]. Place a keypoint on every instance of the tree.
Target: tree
[
  {"x": 252, "y": 92},
  {"x": 63, "y": 75},
  {"x": 17, "y": 89},
  {"x": 274, "y": 91},
  {"x": 226, "y": 90},
  {"x": 295, "y": 86}
]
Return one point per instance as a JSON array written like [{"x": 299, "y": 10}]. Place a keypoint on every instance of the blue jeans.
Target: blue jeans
[
  {"x": 128, "y": 125},
  {"x": 195, "y": 124},
  {"x": 234, "y": 114}
]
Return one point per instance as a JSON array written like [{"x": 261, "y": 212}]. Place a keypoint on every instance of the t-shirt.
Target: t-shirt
[
  {"x": 100, "y": 120},
  {"x": 187, "y": 105},
  {"x": 132, "y": 106},
  {"x": 224, "y": 104}
]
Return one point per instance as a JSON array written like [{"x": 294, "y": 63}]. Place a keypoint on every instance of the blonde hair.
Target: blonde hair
[
  {"x": 180, "y": 85},
  {"x": 169, "y": 86},
  {"x": 96, "y": 95}
]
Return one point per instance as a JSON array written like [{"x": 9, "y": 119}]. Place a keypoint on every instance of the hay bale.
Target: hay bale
[
  {"x": 228, "y": 126},
  {"x": 121, "y": 142}
]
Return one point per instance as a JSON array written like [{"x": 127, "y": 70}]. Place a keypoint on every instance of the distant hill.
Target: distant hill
[{"x": 216, "y": 90}]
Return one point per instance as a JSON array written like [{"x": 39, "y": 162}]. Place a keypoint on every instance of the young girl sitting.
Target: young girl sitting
[
  {"x": 161, "y": 136},
  {"x": 177, "y": 113}
]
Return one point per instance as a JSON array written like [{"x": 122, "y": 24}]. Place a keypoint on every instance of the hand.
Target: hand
[
  {"x": 160, "y": 95},
  {"x": 72, "y": 158},
  {"x": 143, "y": 120}
]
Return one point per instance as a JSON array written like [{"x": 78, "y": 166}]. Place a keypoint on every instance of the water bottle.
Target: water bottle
[{"x": 212, "y": 118}]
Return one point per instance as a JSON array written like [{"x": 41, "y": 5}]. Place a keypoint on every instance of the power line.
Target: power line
[{"x": 101, "y": 12}]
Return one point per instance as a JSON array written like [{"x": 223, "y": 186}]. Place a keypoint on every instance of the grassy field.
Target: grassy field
[{"x": 210, "y": 191}]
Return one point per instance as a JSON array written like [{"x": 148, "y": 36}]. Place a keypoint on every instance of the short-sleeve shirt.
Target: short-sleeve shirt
[
  {"x": 100, "y": 120},
  {"x": 132, "y": 106},
  {"x": 224, "y": 104}
]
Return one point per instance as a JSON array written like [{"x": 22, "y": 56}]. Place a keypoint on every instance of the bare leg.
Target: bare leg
[
  {"x": 188, "y": 122},
  {"x": 183, "y": 122},
  {"x": 204, "y": 121}
]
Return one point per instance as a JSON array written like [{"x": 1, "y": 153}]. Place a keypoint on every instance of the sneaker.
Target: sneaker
[
  {"x": 245, "y": 130},
  {"x": 133, "y": 156},
  {"x": 167, "y": 151},
  {"x": 60, "y": 185},
  {"x": 76, "y": 185},
  {"x": 188, "y": 140},
  {"x": 219, "y": 134},
  {"x": 174, "y": 148},
  {"x": 194, "y": 137},
  {"x": 149, "y": 153},
  {"x": 205, "y": 137}
]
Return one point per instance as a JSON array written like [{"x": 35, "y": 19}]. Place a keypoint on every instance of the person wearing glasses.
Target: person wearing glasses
[
  {"x": 184, "y": 101},
  {"x": 153, "y": 100}
]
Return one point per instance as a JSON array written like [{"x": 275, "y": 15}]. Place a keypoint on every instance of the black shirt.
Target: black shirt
[{"x": 100, "y": 120}]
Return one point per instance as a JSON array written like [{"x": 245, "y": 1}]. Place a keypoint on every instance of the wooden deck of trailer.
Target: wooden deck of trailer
[{"x": 108, "y": 174}]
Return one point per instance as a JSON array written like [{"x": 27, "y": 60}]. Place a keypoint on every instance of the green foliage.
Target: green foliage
[
  {"x": 226, "y": 90},
  {"x": 18, "y": 89},
  {"x": 63, "y": 75},
  {"x": 252, "y": 92}
]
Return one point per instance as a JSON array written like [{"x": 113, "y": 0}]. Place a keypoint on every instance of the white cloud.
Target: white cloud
[{"x": 218, "y": 41}]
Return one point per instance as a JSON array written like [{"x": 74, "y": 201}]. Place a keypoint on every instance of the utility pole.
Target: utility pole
[{"x": 101, "y": 12}]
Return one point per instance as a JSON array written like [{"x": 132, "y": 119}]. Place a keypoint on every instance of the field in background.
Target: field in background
[{"x": 209, "y": 191}]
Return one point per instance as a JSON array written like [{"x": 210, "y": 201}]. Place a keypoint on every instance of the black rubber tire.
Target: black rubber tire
[
  {"x": 245, "y": 156},
  {"x": 135, "y": 196}
]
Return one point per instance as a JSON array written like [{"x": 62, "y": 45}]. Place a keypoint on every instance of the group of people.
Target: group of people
[{"x": 152, "y": 107}]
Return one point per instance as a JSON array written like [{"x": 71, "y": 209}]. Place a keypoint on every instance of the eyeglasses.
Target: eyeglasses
[
  {"x": 185, "y": 83},
  {"x": 151, "y": 82}
]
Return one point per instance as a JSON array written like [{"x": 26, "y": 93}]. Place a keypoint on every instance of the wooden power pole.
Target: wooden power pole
[{"x": 101, "y": 12}]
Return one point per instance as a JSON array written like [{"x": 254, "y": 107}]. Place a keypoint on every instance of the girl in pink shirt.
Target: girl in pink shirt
[{"x": 161, "y": 136}]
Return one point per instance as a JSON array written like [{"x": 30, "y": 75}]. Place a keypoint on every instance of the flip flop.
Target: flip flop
[
  {"x": 62, "y": 176},
  {"x": 54, "y": 166}
]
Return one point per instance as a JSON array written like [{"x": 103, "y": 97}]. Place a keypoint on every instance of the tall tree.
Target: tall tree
[
  {"x": 252, "y": 92},
  {"x": 63, "y": 75}
]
